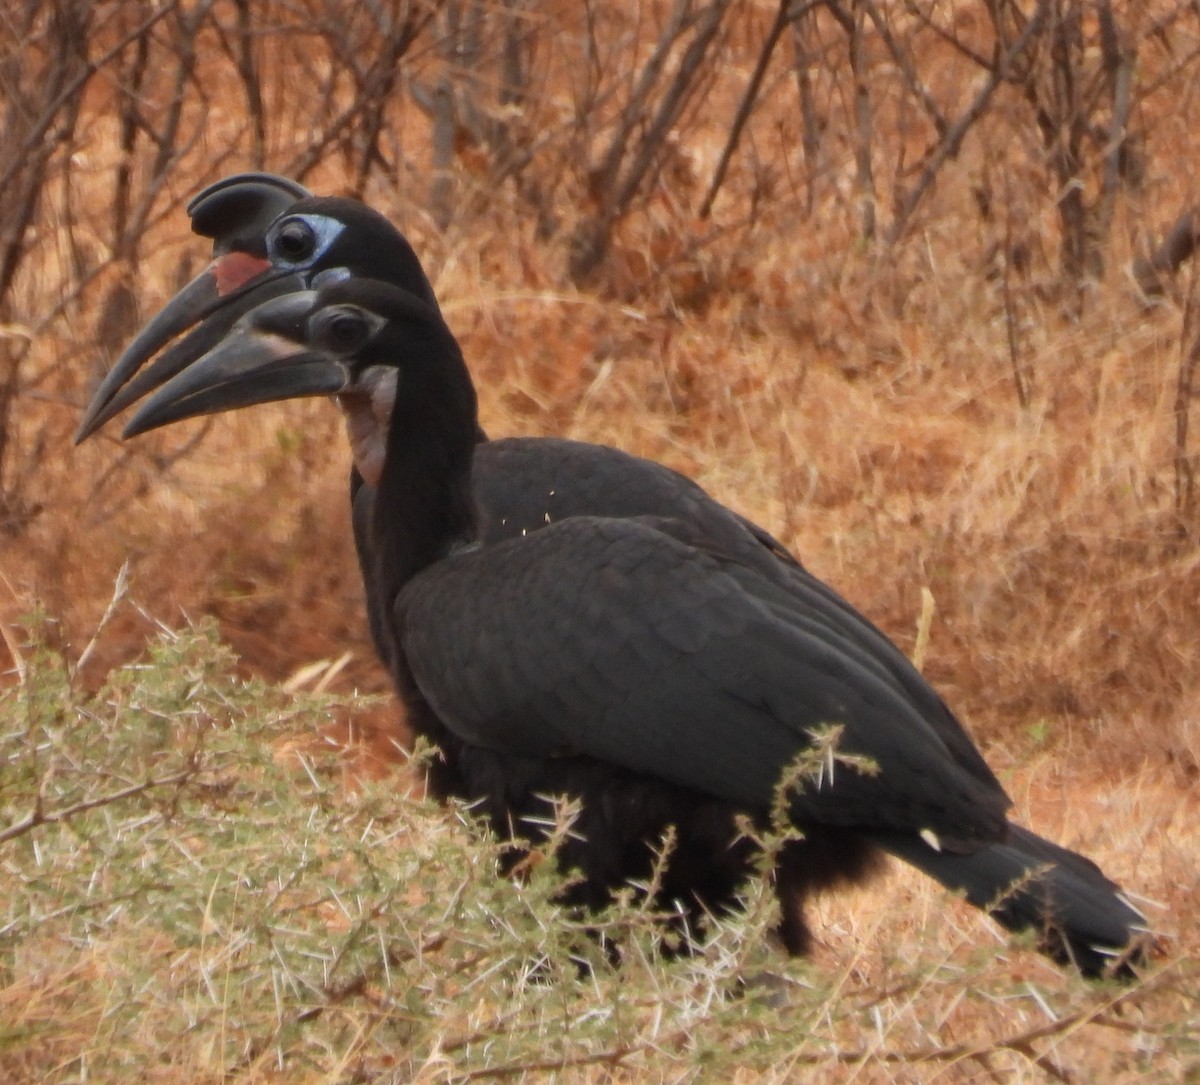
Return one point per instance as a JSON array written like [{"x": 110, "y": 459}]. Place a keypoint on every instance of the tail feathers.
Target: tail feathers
[{"x": 1028, "y": 883}]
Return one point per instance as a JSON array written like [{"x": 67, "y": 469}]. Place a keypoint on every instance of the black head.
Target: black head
[
  {"x": 313, "y": 343},
  {"x": 398, "y": 373},
  {"x": 270, "y": 237},
  {"x": 326, "y": 232}
]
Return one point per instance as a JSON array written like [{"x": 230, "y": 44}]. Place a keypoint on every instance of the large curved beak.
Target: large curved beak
[
  {"x": 235, "y": 212},
  {"x": 264, "y": 359},
  {"x": 202, "y": 302}
]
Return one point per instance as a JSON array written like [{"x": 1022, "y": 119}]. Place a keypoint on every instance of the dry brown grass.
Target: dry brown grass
[
  {"x": 269, "y": 910},
  {"x": 862, "y": 408}
]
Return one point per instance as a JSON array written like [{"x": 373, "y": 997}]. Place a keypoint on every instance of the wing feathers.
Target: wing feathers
[{"x": 617, "y": 640}]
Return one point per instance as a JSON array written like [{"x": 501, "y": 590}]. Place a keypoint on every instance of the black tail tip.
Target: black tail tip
[{"x": 1098, "y": 960}]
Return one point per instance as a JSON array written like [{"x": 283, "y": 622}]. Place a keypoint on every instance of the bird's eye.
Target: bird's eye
[
  {"x": 295, "y": 240},
  {"x": 343, "y": 330}
]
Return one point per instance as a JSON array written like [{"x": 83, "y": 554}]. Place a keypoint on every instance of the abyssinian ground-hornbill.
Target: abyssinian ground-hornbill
[
  {"x": 679, "y": 677},
  {"x": 271, "y": 236}
]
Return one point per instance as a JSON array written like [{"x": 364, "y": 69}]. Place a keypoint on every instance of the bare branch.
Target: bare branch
[
  {"x": 810, "y": 140},
  {"x": 904, "y": 63},
  {"x": 863, "y": 126},
  {"x": 949, "y": 145},
  {"x": 783, "y": 16},
  {"x": 616, "y": 194}
]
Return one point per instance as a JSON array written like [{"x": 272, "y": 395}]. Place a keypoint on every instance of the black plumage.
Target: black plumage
[
  {"x": 662, "y": 670},
  {"x": 273, "y": 238},
  {"x": 520, "y": 484}
]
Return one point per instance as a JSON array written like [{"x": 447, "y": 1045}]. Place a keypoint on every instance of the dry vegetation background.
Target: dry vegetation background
[{"x": 907, "y": 283}]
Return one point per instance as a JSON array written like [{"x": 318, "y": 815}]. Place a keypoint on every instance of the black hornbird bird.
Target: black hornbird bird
[
  {"x": 271, "y": 237},
  {"x": 236, "y": 213},
  {"x": 636, "y": 663}
]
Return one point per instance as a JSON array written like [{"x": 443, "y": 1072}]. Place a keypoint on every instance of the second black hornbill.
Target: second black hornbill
[{"x": 634, "y": 664}]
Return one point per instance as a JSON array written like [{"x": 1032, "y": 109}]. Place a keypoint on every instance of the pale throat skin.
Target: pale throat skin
[{"x": 367, "y": 410}]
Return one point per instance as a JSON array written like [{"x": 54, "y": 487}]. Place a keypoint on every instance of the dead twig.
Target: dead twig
[
  {"x": 786, "y": 14},
  {"x": 625, "y": 166},
  {"x": 951, "y": 142}
]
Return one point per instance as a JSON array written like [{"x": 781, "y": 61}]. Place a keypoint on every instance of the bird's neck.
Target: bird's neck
[
  {"x": 424, "y": 506},
  {"x": 367, "y": 412}
]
